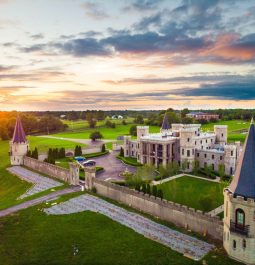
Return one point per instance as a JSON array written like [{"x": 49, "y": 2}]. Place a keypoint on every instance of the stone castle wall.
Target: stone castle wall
[
  {"x": 175, "y": 213},
  {"x": 49, "y": 169}
]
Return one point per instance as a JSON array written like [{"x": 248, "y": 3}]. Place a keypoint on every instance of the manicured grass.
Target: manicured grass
[
  {"x": 52, "y": 240},
  {"x": 108, "y": 133},
  {"x": 83, "y": 124},
  {"x": 43, "y": 144},
  {"x": 235, "y": 128},
  {"x": 188, "y": 191},
  {"x": 129, "y": 161},
  {"x": 11, "y": 187}
]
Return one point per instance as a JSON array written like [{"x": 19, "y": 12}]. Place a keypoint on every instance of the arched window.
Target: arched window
[
  {"x": 240, "y": 217},
  {"x": 234, "y": 244},
  {"x": 244, "y": 243}
]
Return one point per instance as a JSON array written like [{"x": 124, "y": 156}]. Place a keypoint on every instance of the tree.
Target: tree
[
  {"x": 184, "y": 165},
  {"x": 221, "y": 170},
  {"x": 154, "y": 190},
  {"x": 195, "y": 166},
  {"x": 121, "y": 152},
  {"x": 124, "y": 122},
  {"x": 110, "y": 124},
  {"x": 92, "y": 123},
  {"x": 144, "y": 188},
  {"x": 77, "y": 150},
  {"x": 160, "y": 194},
  {"x": 184, "y": 112},
  {"x": 103, "y": 149},
  {"x": 139, "y": 119},
  {"x": 95, "y": 135},
  {"x": 133, "y": 130},
  {"x": 205, "y": 203},
  {"x": 148, "y": 189},
  {"x": 35, "y": 153},
  {"x": 4, "y": 134}
]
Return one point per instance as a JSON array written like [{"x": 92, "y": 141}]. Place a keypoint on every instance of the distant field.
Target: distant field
[
  {"x": 83, "y": 124},
  {"x": 188, "y": 191},
  {"x": 43, "y": 144},
  {"x": 108, "y": 133},
  {"x": 234, "y": 129}
]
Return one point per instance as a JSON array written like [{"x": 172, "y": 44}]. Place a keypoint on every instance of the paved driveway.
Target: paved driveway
[{"x": 112, "y": 166}]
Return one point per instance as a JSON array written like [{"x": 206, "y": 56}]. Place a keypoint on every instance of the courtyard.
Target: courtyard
[{"x": 190, "y": 191}]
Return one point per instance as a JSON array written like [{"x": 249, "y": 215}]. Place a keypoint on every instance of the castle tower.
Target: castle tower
[
  {"x": 18, "y": 145},
  {"x": 74, "y": 173},
  {"x": 165, "y": 125},
  {"x": 221, "y": 132},
  {"x": 239, "y": 206},
  {"x": 142, "y": 131}
]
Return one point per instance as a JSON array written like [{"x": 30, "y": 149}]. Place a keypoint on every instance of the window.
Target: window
[
  {"x": 240, "y": 218},
  {"x": 182, "y": 151},
  {"x": 222, "y": 135},
  {"x": 195, "y": 142},
  {"x": 197, "y": 154},
  {"x": 201, "y": 142},
  {"x": 188, "y": 139},
  {"x": 244, "y": 243},
  {"x": 188, "y": 153},
  {"x": 220, "y": 157},
  {"x": 206, "y": 140},
  {"x": 234, "y": 244},
  {"x": 212, "y": 166},
  {"x": 205, "y": 155},
  {"x": 211, "y": 140},
  {"x": 193, "y": 152},
  {"x": 212, "y": 156},
  {"x": 232, "y": 153}
]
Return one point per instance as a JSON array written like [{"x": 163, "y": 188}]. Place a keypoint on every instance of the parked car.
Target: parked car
[
  {"x": 80, "y": 158},
  {"x": 89, "y": 163}
]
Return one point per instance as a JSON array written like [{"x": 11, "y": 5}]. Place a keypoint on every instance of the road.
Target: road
[
  {"x": 112, "y": 166},
  {"x": 39, "y": 200}
]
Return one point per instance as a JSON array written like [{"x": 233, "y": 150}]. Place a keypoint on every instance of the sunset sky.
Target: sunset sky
[{"x": 146, "y": 54}]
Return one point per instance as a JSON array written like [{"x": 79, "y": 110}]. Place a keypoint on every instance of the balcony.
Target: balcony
[{"x": 235, "y": 228}]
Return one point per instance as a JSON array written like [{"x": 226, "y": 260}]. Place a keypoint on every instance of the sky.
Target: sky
[{"x": 127, "y": 54}]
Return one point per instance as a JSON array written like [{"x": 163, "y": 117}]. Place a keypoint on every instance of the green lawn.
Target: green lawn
[
  {"x": 234, "y": 129},
  {"x": 83, "y": 124},
  {"x": 32, "y": 237},
  {"x": 11, "y": 187},
  {"x": 188, "y": 191},
  {"x": 108, "y": 133},
  {"x": 43, "y": 144}
]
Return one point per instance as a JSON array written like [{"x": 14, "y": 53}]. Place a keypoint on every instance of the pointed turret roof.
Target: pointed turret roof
[
  {"x": 243, "y": 183},
  {"x": 19, "y": 135},
  {"x": 165, "y": 124}
]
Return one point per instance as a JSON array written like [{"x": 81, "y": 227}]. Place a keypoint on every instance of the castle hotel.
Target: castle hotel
[{"x": 184, "y": 143}]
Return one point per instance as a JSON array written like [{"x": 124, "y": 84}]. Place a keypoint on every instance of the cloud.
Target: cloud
[
  {"x": 37, "y": 36},
  {"x": 143, "y": 5},
  {"x": 94, "y": 10},
  {"x": 221, "y": 90},
  {"x": 184, "y": 79}
]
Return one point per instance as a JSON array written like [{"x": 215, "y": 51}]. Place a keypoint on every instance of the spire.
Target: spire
[
  {"x": 165, "y": 124},
  {"x": 19, "y": 135},
  {"x": 243, "y": 183}
]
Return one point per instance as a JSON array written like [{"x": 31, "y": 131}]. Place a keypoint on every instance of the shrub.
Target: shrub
[
  {"x": 94, "y": 189},
  {"x": 143, "y": 188},
  {"x": 121, "y": 152},
  {"x": 95, "y": 136},
  {"x": 160, "y": 194},
  {"x": 103, "y": 149},
  {"x": 148, "y": 189},
  {"x": 154, "y": 190}
]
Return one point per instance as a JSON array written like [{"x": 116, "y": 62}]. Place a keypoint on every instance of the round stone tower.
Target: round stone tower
[
  {"x": 239, "y": 206},
  {"x": 18, "y": 145},
  {"x": 221, "y": 132}
]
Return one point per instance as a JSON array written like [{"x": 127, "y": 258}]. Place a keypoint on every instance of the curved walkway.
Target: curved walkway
[{"x": 37, "y": 201}]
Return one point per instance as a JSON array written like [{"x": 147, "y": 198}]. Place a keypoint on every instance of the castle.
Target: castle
[
  {"x": 239, "y": 206},
  {"x": 184, "y": 143}
]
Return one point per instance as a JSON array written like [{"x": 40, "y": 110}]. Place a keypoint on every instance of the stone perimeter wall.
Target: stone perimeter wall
[
  {"x": 48, "y": 169},
  {"x": 180, "y": 215}
]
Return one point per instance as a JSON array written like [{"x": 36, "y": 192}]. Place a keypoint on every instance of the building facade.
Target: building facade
[
  {"x": 203, "y": 116},
  {"x": 18, "y": 145},
  {"x": 184, "y": 143},
  {"x": 239, "y": 206}
]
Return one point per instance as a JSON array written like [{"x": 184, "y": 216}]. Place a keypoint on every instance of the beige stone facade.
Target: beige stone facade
[
  {"x": 239, "y": 241},
  {"x": 183, "y": 143}
]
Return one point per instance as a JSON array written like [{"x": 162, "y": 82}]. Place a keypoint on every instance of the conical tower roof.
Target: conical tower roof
[
  {"x": 19, "y": 135},
  {"x": 165, "y": 124},
  {"x": 243, "y": 183}
]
